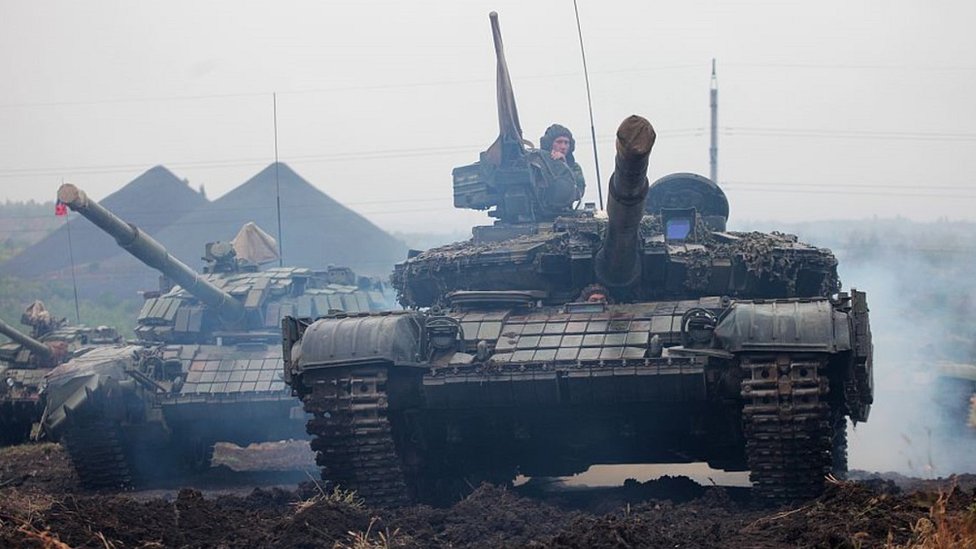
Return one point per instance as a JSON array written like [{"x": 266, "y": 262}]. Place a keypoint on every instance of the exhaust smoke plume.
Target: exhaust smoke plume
[{"x": 921, "y": 292}]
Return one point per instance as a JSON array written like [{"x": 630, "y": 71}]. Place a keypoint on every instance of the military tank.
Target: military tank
[
  {"x": 205, "y": 367},
  {"x": 559, "y": 338},
  {"x": 27, "y": 358}
]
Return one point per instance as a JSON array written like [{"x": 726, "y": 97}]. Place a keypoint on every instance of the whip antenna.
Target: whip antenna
[
  {"x": 281, "y": 251},
  {"x": 589, "y": 102}
]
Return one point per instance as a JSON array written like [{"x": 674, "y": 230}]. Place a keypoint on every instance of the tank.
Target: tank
[
  {"x": 27, "y": 358},
  {"x": 206, "y": 363},
  {"x": 560, "y": 337}
]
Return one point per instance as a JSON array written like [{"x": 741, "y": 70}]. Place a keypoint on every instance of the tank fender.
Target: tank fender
[
  {"x": 341, "y": 340},
  {"x": 785, "y": 325},
  {"x": 96, "y": 378}
]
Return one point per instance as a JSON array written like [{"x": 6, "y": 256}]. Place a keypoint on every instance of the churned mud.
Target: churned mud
[{"x": 42, "y": 505}]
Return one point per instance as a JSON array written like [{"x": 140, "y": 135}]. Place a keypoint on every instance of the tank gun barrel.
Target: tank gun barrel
[
  {"x": 152, "y": 253},
  {"x": 618, "y": 261},
  {"x": 34, "y": 345}
]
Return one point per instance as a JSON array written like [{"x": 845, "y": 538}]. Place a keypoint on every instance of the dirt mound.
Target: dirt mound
[
  {"x": 711, "y": 521},
  {"x": 42, "y": 467},
  {"x": 489, "y": 517},
  {"x": 848, "y": 515},
  {"x": 39, "y": 508},
  {"x": 319, "y": 523}
]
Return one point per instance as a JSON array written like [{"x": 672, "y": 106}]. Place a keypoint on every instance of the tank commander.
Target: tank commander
[{"x": 558, "y": 140}]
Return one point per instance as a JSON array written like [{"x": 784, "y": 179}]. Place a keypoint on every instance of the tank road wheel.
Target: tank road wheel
[
  {"x": 107, "y": 453},
  {"x": 788, "y": 425},
  {"x": 96, "y": 450},
  {"x": 353, "y": 437}
]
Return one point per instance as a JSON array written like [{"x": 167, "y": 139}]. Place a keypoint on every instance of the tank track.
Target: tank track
[
  {"x": 353, "y": 436},
  {"x": 96, "y": 451},
  {"x": 838, "y": 454},
  {"x": 788, "y": 425}
]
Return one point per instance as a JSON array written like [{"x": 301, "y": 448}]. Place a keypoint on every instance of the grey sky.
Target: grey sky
[{"x": 828, "y": 109}]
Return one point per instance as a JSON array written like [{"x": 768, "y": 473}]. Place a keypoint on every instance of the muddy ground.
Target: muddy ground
[{"x": 42, "y": 505}]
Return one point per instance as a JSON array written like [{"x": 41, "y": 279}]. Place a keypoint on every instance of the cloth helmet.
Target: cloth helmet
[{"x": 554, "y": 131}]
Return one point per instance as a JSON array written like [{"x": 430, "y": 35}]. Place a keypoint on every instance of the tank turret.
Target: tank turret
[
  {"x": 26, "y": 361},
  {"x": 146, "y": 249},
  {"x": 42, "y": 351},
  {"x": 618, "y": 260}
]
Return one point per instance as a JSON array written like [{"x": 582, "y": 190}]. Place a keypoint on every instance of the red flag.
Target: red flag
[{"x": 60, "y": 209}]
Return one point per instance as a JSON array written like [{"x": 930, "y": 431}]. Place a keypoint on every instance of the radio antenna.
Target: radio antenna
[
  {"x": 589, "y": 102},
  {"x": 281, "y": 251}
]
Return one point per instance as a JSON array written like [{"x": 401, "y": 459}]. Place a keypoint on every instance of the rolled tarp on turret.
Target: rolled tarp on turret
[{"x": 254, "y": 245}]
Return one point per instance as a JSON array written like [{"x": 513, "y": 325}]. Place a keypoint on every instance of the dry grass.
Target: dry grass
[
  {"x": 46, "y": 539},
  {"x": 337, "y": 496},
  {"x": 24, "y": 526},
  {"x": 31, "y": 450},
  {"x": 369, "y": 539},
  {"x": 943, "y": 529}
]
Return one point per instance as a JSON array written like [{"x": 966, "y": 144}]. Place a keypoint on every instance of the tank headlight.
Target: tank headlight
[{"x": 10, "y": 382}]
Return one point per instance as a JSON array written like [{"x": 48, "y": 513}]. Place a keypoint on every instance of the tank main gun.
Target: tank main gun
[
  {"x": 618, "y": 260},
  {"x": 147, "y": 250},
  {"x": 41, "y": 350}
]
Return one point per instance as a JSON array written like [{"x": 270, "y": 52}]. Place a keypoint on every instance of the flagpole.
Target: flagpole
[{"x": 71, "y": 257}]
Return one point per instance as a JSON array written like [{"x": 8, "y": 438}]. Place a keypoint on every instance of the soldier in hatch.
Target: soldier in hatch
[
  {"x": 558, "y": 140},
  {"x": 594, "y": 293}
]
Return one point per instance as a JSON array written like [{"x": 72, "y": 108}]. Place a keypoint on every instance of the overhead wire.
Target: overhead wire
[
  {"x": 441, "y": 83},
  {"x": 729, "y": 131},
  {"x": 331, "y": 89}
]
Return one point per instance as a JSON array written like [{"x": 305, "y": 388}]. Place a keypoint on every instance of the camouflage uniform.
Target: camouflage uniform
[{"x": 545, "y": 143}]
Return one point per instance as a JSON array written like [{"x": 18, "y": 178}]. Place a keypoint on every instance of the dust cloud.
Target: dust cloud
[{"x": 921, "y": 291}]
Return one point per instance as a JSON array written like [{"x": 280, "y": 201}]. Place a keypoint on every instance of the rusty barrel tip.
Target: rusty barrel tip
[
  {"x": 69, "y": 194},
  {"x": 635, "y": 136}
]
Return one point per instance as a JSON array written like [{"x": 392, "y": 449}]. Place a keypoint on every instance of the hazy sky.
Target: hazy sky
[{"x": 827, "y": 109}]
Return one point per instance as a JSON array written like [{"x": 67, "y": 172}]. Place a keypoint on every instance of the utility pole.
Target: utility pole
[{"x": 713, "y": 149}]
